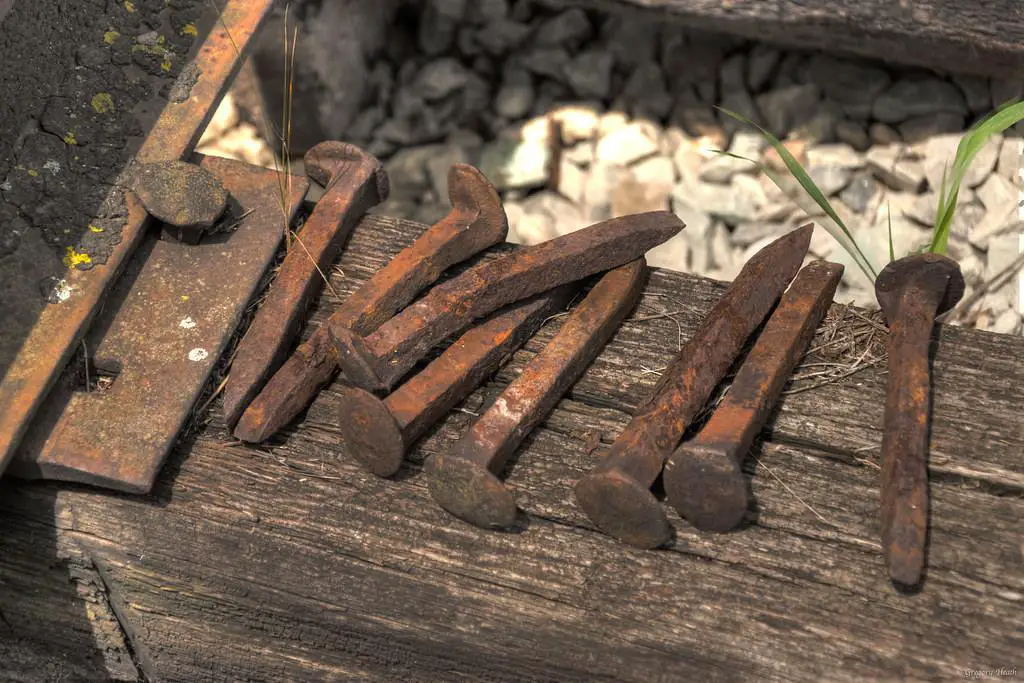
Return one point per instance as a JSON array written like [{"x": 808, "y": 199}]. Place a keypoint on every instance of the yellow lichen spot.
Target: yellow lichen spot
[
  {"x": 93, "y": 228},
  {"x": 166, "y": 65},
  {"x": 33, "y": 172},
  {"x": 69, "y": 138},
  {"x": 128, "y": 5},
  {"x": 160, "y": 40},
  {"x": 74, "y": 258},
  {"x": 184, "y": 297},
  {"x": 189, "y": 30},
  {"x": 102, "y": 102},
  {"x": 110, "y": 36}
]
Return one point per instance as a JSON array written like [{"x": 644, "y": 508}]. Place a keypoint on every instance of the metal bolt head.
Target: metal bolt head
[
  {"x": 624, "y": 508},
  {"x": 925, "y": 270},
  {"x": 371, "y": 433},
  {"x": 470, "y": 492}
]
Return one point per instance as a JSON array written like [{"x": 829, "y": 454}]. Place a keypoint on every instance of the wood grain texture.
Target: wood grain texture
[
  {"x": 290, "y": 562},
  {"x": 985, "y": 38}
]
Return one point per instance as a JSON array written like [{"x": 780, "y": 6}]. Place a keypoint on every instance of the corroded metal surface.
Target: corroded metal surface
[
  {"x": 617, "y": 495},
  {"x": 355, "y": 181},
  {"x": 465, "y": 481},
  {"x": 59, "y": 328},
  {"x": 379, "y": 360},
  {"x": 187, "y": 197},
  {"x": 704, "y": 478},
  {"x": 911, "y": 292},
  {"x": 163, "y": 329},
  {"x": 377, "y": 432},
  {"x": 476, "y": 221}
]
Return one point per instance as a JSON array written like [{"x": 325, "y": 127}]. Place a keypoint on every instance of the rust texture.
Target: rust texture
[
  {"x": 379, "y": 360},
  {"x": 187, "y": 198},
  {"x": 57, "y": 333},
  {"x": 355, "y": 181},
  {"x": 616, "y": 495},
  {"x": 476, "y": 221},
  {"x": 378, "y": 432},
  {"x": 465, "y": 481},
  {"x": 704, "y": 478},
  {"x": 911, "y": 291},
  {"x": 160, "y": 334}
]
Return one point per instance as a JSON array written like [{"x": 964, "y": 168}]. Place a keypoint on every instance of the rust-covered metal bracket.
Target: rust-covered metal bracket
[
  {"x": 60, "y": 327},
  {"x": 163, "y": 328}
]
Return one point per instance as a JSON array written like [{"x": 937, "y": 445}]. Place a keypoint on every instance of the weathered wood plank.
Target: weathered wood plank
[
  {"x": 985, "y": 38},
  {"x": 289, "y": 562}
]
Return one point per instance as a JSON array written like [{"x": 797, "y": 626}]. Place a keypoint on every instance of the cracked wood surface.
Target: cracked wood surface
[
  {"x": 984, "y": 38},
  {"x": 289, "y": 562}
]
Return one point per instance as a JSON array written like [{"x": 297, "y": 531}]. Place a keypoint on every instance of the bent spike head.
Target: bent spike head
[{"x": 617, "y": 495}]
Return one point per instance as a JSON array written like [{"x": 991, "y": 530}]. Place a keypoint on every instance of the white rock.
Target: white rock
[
  {"x": 836, "y": 154},
  {"x": 829, "y": 178},
  {"x": 673, "y": 254},
  {"x": 745, "y": 234},
  {"x": 626, "y": 145},
  {"x": 1008, "y": 322},
  {"x": 1000, "y": 199},
  {"x": 631, "y": 196},
  {"x": 514, "y": 212},
  {"x": 571, "y": 181},
  {"x": 1011, "y": 161},
  {"x": 775, "y": 212},
  {"x": 533, "y": 229},
  {"x": 597, "y": 192},
  {"x": 734, "y": 203},
  {"x": 610, "y": 122},
  {"x": 891, "y": 165},
  {"x": 723, "y": 258},
  {"x": 516, "y": 164},
  {"x": 224, "y": 119},
  {"x": 940, "y": 151},
  {"x": 656, "y": 170},
  {"x": 581, "y": 154},
  {"x": 690, "y": 156},
  {"x": 578, "y": 123},
  {"x": 566, "y": 215},
  {"x": 721, "y": 168},
  {"x": 873, "y": 240},
  {"x": 1003, "y": 254}
]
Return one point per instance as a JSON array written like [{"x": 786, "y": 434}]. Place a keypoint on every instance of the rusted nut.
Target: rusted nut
[
  {"x": 617, "y": 494},
  {"x": 379, "y": 360},
  {"x": 476, "y": 221},
  {"x": 465, "y": 481},
  {"x": 911, "y": 291},
  {"x": 187, "y": 198},
  {"x": 378, "y": 432},
  {"x": 704, "y": 477},
  {"x": 355, "y": 182}
]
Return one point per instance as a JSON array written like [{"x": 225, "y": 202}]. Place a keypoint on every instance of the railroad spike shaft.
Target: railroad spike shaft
[
  {"x": 378, "y": 431},
  {"x": 475, "y": 222},
  {"x": 379, "y": 360},
  {"x": 704, "y": 477},
  {"x": 465, "y": 480},
  {"x": 355, "y": 182},
  {"x": 911, "y": 291},
  {"x": 617, "y": 494}
]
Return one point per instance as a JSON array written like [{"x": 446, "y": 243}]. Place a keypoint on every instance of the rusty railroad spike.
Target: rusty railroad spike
[
  {"x": 378, "y": 431},
  {"x": 704, "y": 478},
  {"x": 378, "y": 361},
  {"x": 464, "y": 481},
  {"x": 911, "y": 291},
  {"x": 617, "y": 494},
  {"x": 476, "y": 221},
  {"x": 355, "y": 181}
]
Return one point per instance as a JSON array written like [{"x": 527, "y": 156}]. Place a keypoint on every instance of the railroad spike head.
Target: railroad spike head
[
  {"x": 328, "y": 160},
  {"x": 469, "y": 191},
  {"x": 370, "y": 431},
  {"x": 470, "y": 492},
  {"x": 624, "y": 508},
  {"x": 926, "y": 270}
]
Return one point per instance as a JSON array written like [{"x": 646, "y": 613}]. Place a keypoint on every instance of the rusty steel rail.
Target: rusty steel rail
[
  {"x": 378, "y": 431},
  {"x": 476, "y": 221},
  {"x": 911, "y": 291},
  {"x": 59, "y": 328},
  {"x": 355, "y": 181},
  {"x": 378, "y": 361},
  {"x": 465, "y": 481},
  {"x": 704, "y": 478},
  {"x": 617, "y": 494}
]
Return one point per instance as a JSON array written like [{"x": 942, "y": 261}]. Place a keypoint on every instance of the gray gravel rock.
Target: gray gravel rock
[
  {"x": 646, "y": 93},
  {"x": 976, "y": 92},
  {"x": 761, "y": 63},
  {"x": 589, "y": 74},
  {"x": 853, "y": 134},
  {"x": 516, "y": 95},
  {"x": 549, "y": 62},
  {"x": 785, "y": 108},
  {"x": 859, "y": 192},
  {"x": 632, "y": 40},
  {"x": 570, "y": 29},
  {"x": 920, "y": 128},
  {"x": 906, "y": 99},
  {"x": 440, "y": 78},
  {"x": 499, "y": 37},
  {"x": 851, "y": 84}
]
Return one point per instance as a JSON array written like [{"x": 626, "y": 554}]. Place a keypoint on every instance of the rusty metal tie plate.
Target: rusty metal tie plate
[
  {"x": 55, "y": 336},
  {"x": 163, "y": 328}
]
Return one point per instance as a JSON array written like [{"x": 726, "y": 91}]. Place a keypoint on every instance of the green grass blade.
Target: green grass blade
[
  {"x": 809, "y": 186},
  {"x": 970, "y": 145},
  {"x": 888, "y": 215}
]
